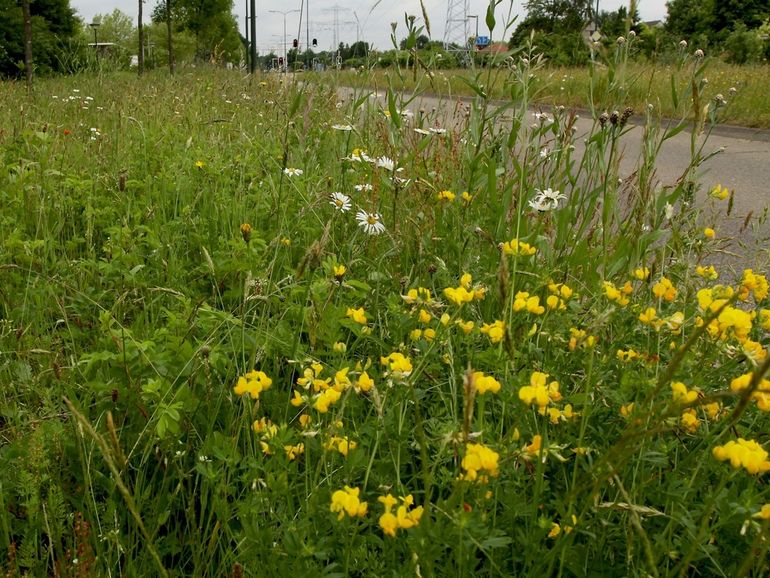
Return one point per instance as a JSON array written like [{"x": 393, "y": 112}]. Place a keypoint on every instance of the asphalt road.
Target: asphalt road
[{"x": 742, "y": 165}]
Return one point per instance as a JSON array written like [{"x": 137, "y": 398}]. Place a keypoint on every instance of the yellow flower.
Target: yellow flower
[
  {"x": 642, "y": 273},
  {"x": 339, "y": 271},
  {"x": 253, "y": 383},
  {"x": 406, "y": 516},
  {"x": 707, "y": 272},
  {"x": 746, "y": 454},
  {"x": 364, "y": 382},
  {"x": 446, "y": 196},
  {"x": 614, "y": 294},
  {"x": 518, "y": 248},
  {"x": 418, "y": 295},
  {"x": 764, "y": 319},
  {"x": 756, "y": 284},
  {"x": 458, "y": 295},
  {"x": 293, "y": 451},
  {"x": 466, "y": 326},
  {"x": 719, "y": 192},
  {"x": 709, "y": 233},
  {"x": 341, "y": 379},
  {"x": 683, "y": 395},
  {"x": 340, "y": 347},
  {"x": 340, "y": 444},
  {"x": 346, "y": 501},
  {"x": 534, "y": 448},
  {"x": 627, "y": 410},
  {"x": 398, "y": 364},
  {"x": 484, "y": 383},
  {"x": 764, "y": 513},
  {"x": 689, "y": 420},
  {"x": 538, "y": 392},
  {"x": 664, "y": 289},
  {"x": 357, "y": 315},
  {"x": 467, "y": 197},
  {"x": 648, "y": 317},
  {"x": 494, "y": 331},
  {"x": 325, "y": 399},
  {"x": 555, "y": 530},
  {"x": 479, "y": 458},
  {"x": 628, "y": 355},
  {"x": 200, "y": 164},
  {"x": 424, "y": 316}
]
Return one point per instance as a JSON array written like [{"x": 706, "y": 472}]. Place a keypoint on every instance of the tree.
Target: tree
[
  {"x": 141, "y": 38},
  {"x": 51, "y": 22}
]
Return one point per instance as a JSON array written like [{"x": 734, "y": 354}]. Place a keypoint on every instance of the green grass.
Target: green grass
[
  {"x": 133, "y": 298},
  {"x": 646, "y": 84}
]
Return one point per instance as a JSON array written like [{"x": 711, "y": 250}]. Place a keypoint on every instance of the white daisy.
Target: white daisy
[
  {"x": 544, "y": 153},
  {"x": 340, "y": 202},
  {"x": 422, "y": 131},
  {"x": 371, "y": 223},
  {"x": 542, "y": 205},
  {"x": 554, "y": 196},
  {"x": 364, "y": 187},
  {"x": 289, "y": 172},
  {"x": 437, "y": 130},
  {"x": 342, "y": 127},
  {"x": 386, "y": 163}
]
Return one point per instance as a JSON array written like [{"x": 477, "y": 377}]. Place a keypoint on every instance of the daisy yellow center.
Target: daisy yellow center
[
  {"x": 372, "y": 220},
  {"x": 338, "y": 202}
]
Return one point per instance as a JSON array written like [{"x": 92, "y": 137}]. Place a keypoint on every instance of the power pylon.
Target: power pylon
[{"x": 456, "y": 28}]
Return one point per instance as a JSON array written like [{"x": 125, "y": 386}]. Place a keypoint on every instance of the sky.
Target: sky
[{"x": 373, "y": 18}]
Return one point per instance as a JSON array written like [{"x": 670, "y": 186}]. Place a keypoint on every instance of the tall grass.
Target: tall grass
[{"x": 158, "y": 250}]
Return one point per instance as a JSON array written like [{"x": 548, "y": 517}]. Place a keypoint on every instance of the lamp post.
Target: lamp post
[
  {"x": 95, "y": 25},
  {"x": 476, "y": 16},
  {"x": 285, "y": 54}
]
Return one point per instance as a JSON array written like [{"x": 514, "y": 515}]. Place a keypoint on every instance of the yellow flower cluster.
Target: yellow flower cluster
[
  {"x": 311, "y": 376},
  {"x": 495, "y": 331},
  {"x": 479, "y": 458},
  {"x": 446, "y": 196},
  {"x": 465, "y": 293},
  {"x": 761, "y": 394},
  {"x": 420, "y": 295},
  {"x": 484, "y": 383},
  {"x": 618, "y": 295},
  {"x": 764, "y": 319},
  {"x": 707, "y": 272},
  {"x": 641, "y": 273},
  {"x": 253, "y": 383},
  {"x": 405, "y": 517},
  {"x": 523, "y": 301},
  {"x": 346, "y": 501},
  {"x": 682, "y": 395},
  {"x": 746, "y": 454},
  {"x": 627, "y": 355},
  {"x": 752, "y": 283},
  {"x": 556, "y": 415},
  {"x": 556, "y": 529},
  {"x": 268, "y": 430},
  {"x": 357, "y": 315},
  {"x": 518, "y": 248},
  {"x": 539, "y": 392},
  {"x": 579, "y": 338},
  {"x": 293, "y": 451},
  {"x": 664, "y": 289},
  {"x": 428, "y": 334},
  {"x": 339, "y": 444},
  {"x": 325, "y": 399},
  {"x": 719, "y": 192},
  {"x": 398, "y": 364}
]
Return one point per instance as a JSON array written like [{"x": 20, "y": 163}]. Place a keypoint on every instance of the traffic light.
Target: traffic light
[
  {"x": 280, "y": 61},
  {"x": 315, "y": 42},
  {"x": 295, "y": 43}
]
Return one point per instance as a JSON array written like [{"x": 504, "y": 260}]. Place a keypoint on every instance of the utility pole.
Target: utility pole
[
  {"x": 284, "y": 13},
  {"x": 307, "y": 28},
  {"x": 246, "y": 34},
  {"x": 253, "y": 23}
]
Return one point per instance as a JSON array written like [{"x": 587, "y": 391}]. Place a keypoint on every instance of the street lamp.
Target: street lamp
[
  {"x": 476, "y": 16},
  {"x": 95, "y": 25},
  {"x": 285, "y": 54}
]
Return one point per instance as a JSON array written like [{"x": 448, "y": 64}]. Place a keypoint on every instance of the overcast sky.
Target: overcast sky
[{"x": 374, "y": 18}]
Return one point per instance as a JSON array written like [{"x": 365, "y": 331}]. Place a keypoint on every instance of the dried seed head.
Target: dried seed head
[
  {"x": 627, "y": 112},
  {"x": 698, "y": 53},
  {"x": 603, "y": 118},
  {"x": 614, "y": 117}
]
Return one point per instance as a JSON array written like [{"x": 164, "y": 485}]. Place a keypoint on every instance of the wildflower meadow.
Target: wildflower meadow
[{"x": 264, "y": 326}]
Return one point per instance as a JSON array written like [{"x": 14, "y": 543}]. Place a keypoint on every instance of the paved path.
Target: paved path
[{"x": 743, "y": 165}]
